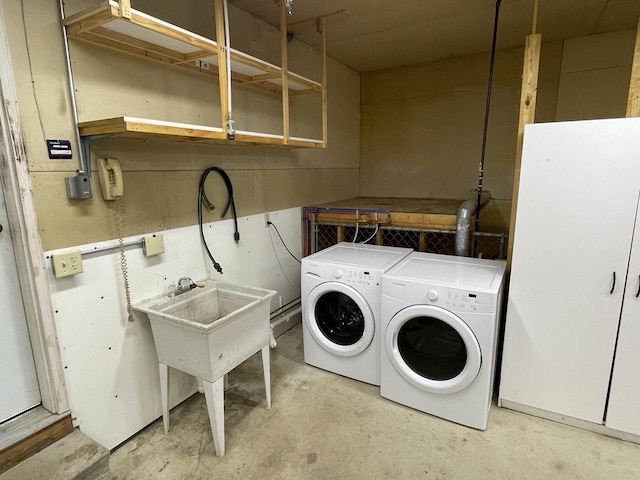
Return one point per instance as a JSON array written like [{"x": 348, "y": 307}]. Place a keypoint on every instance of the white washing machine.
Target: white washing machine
[
  {"x": 341, "y": 289},
  {"x": 440, "y": 322}
]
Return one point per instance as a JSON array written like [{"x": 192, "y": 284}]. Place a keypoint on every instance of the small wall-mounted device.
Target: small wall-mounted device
[
  {"x": 110, "y": 174},
  {"x": 59, "y": 149}
]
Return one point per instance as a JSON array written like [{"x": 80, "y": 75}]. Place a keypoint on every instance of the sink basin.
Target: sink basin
[{"x": 208, "y": 331}]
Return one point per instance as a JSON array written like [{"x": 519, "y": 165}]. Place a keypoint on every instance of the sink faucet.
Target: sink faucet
[{"x": 185, "y": 284}]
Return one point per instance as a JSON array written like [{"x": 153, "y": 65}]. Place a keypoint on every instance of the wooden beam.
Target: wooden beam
[
  {"x": 261, "y": 78},
  {"x": 88, "y": 24},
  {"x": 133, "y": 45},
  {"x": 125, "y": 9},
  {"x": 89, "y": 12},
  {"x": 222, "y": 65},
  {"x": 528, "y": 96},
  {"x": 284, "y": 44},
  {"x": 633, "y": 104},
  {"x": 325, "y": 120}
]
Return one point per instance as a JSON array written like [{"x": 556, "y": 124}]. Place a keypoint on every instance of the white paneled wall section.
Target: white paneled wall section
[{"x": 111, "y": 367}]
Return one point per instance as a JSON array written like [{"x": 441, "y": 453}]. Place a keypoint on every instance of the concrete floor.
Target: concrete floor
[{"x": 323, "y": 426}]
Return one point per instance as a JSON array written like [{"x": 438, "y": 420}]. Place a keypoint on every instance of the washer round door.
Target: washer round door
[
  {"x": 339, "y": 319},
  {"x": 433, "y": 349}
]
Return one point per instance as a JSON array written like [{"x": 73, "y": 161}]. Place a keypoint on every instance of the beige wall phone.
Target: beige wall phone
[{"x": 110, "y": 175}]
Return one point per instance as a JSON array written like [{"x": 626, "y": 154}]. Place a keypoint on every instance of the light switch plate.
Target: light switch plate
[
  {"x": 67, "y": 264},
  {"x": 153, "y": 244}
]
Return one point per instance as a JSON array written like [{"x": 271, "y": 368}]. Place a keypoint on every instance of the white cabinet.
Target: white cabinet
[
  {"x": 571, "y": 276},
  {"x": 623, "y": 412}
]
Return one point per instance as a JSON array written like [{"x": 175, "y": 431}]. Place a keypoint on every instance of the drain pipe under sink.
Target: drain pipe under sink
[
  {"x": 463, "y": 222},
  {"x": 281, "y": 318}
]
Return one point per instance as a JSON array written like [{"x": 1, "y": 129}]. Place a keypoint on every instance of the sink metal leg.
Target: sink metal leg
[
  {"x": 214, "y": 394},
  {"x": 164, "y": 394},
  {"x": 266, "y": 366}
]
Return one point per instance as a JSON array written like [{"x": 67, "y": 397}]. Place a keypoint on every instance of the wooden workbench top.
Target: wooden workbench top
[{"x": 444, "y": 206}]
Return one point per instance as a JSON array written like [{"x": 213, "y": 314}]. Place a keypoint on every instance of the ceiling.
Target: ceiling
[{"x": 379, "y": 34}]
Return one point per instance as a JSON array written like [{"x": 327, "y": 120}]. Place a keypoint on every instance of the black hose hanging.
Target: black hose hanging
[
  {"x": 486, "y": 114},
  {"x": 202, "y": 198}
]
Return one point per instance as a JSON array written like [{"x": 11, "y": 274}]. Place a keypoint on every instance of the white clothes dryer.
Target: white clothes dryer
[
  {"x": 341, "y": 291},
  {"x": 440, "y": 322}
]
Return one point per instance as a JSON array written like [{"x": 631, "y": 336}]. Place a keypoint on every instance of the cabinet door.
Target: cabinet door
[
  {"x": 576, "y": 209},
  {"x": 623, "y": 412}
]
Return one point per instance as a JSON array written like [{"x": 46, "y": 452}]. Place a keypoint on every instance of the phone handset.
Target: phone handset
[{"x": 110, "y": 175}]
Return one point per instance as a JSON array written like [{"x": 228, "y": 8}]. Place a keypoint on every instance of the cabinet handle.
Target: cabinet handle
[
  {"x": 638, "y": 292},
  {"x": 613, "y": 286}
]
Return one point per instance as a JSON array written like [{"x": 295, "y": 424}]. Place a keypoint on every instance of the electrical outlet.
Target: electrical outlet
[
  {"x": 67, "y": 264},
  {"x": 267, "y": 219},
  {"x": 153, "y": 244}
]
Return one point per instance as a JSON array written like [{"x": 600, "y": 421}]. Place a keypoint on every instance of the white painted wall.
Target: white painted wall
[{"x": 111, "y": 364}]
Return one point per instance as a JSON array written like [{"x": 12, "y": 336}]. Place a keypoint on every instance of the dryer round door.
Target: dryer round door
[
  {"x": 339, "y": 319},
  {"x": 433, "y": 349}
]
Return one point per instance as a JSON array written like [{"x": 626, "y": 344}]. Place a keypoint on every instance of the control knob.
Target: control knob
[
  {"x": 338, "y": 273},
  {"x": 432, "y": 295}
]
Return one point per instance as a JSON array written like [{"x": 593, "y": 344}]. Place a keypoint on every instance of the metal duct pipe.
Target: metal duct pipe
[{"x": 463, "y": 222}]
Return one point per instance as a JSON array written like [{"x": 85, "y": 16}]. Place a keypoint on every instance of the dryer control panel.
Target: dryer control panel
[{"x": 460, "y": 300}]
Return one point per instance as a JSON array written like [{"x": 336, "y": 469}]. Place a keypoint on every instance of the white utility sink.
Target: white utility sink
[{"x": 207, "y": 332}]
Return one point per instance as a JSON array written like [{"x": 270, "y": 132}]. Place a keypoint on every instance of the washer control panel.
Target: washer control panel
[{"x": 356, "y": 276}]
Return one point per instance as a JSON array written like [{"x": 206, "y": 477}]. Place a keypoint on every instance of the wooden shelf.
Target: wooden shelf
[
  {"x": 115, "y": 25},
  {"x": 149, "y": 37},
  {"x": 140, "y": 128}
]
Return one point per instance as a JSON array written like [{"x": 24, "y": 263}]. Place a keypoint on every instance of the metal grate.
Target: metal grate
[
  {"x": 490, "y": 245},
  {"x": 401, "y": 238},
  {"x": 326, "y": 235},
  {"x": 486, "y": 245}
]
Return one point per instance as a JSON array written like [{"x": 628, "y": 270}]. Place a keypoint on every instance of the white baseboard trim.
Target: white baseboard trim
[{"x": 571, "y": 421}]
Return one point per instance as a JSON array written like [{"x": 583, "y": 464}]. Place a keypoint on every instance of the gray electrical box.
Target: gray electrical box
[{"x": 79, "y": 187}]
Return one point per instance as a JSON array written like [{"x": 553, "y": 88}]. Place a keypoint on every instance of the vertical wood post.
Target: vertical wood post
[
  {"x": 422, "y": 242},
  {"x": 124, "y": 9},
  {"x": 527, "y": 115},
  {"x": 222, "y": 65},
  {"x": 633, "y": 104},
  {"x": 323, "y": 27},
  {"x": 285, "y": 71}
]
